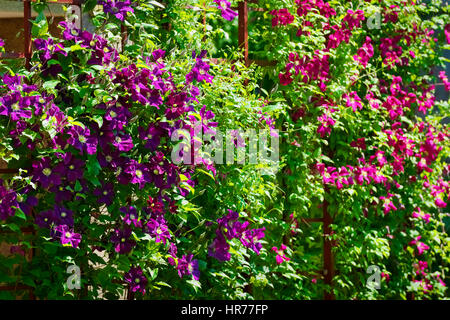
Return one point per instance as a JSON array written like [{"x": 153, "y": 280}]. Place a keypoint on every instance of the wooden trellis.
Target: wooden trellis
[{"x": 243, "y": 26}]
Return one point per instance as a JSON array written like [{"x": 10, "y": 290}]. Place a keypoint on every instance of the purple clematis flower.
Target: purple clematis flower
[
  {"x": 151, "y": 136},
  {"x": 16, "y": 106},
  {"x": 70, "y": 167},
  {"x": 61, "y": 193},
  {"x": 188, "y": 266},
  {"x": 123, "y": 143},
  {"x": 44, "y": 173},
  {"x": 121, "y": 240},
  {"x": 117, "y": 117},
  {"x": 117, "y": 8},
  {"x": 82, "y": 140},
  {"x": 136, "y": 279},
  {"x": 7, "y": 202},
  {"x": 131, "y": 216},
  {"x": 173, "y": 253},
  {"x": 105, "y": 193},
  {"x": 63, "y": 216},
  {"x": 199, "y": 72},
  {"x": 250, "y": 237},
  {"x": 139, "y": 173},
  {"x": 27, "y": 205},
  {"x": 226, "y": 226},
  {"x": 219, "y": 249},
  {"x": 45, "y": 219}
]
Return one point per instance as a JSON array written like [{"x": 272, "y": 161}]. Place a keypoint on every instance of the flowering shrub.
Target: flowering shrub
[{"x": 90, "y": 127}]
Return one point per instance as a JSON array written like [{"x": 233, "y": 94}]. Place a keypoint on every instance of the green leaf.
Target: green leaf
[{"x": 50, "y": 84}]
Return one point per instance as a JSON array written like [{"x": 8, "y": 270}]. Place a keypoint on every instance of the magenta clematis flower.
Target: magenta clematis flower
[
  {"x": 326, "y": 123},
  {"x": 136, "y": 279},
  {"x": 123, "y": 142},
  {"x": 422, "y": 215},
  {"x": 66, "y": 236},
  {"x": 225, "y": 8},
  {"x": 444, "y": 79},
  {"x": 391, "y": 14},
  {"x": 353, "y": 101},
  {"x": 421, "y": 247},
  {"x": 157, "y": 228},
  {"x": 364, "y": 53},
  {"x": 282, "y": 17},
  {"x": 359, "y": 143},
  {"x": 156, "y": 207},
  {"x": 440, "y": 203},
  {"x": 388, "y": 205},
  {"x": 354, "y": 18},
  {"x": 280, "y": 254},
  {"x": 447, "y": 32},
  {"x": 285, "y": 78}
]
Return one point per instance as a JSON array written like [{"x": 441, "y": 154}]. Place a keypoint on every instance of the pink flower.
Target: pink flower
[
  {"x": 360, "y": 143},
  {"x": 420, "y": 268},
  {"x": 364, "y": 53},
  {"x": 354, "y": 18},
  {"x": 391, "y": 15},
  {"x": 421, "y": 247},
  {"x": 379, "y": 156},
  {"x": 326, "y": 123},
  {"x": 353, "y": 101},
  {"x": 388, "y": 205},
  {"x": 440, "y": 203},
  {"x": 285, "y": 79},
  {"x": 444, "y": 79},
  {"x": 282, "y": 16},
  {"x": 422, "y": 215},
  {"x": 301, "y": 31},
  {"x": 280, "y": 254}
]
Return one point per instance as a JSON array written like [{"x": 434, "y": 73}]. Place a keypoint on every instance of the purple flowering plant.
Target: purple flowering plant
[{"x": 90, "y": 124}]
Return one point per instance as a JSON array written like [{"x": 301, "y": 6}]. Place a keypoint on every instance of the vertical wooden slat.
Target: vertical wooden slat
[
  {"x": 243, "y": 28},
  {"x": 27, "y": 32},
  {"x": 328, "y": 260}
]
